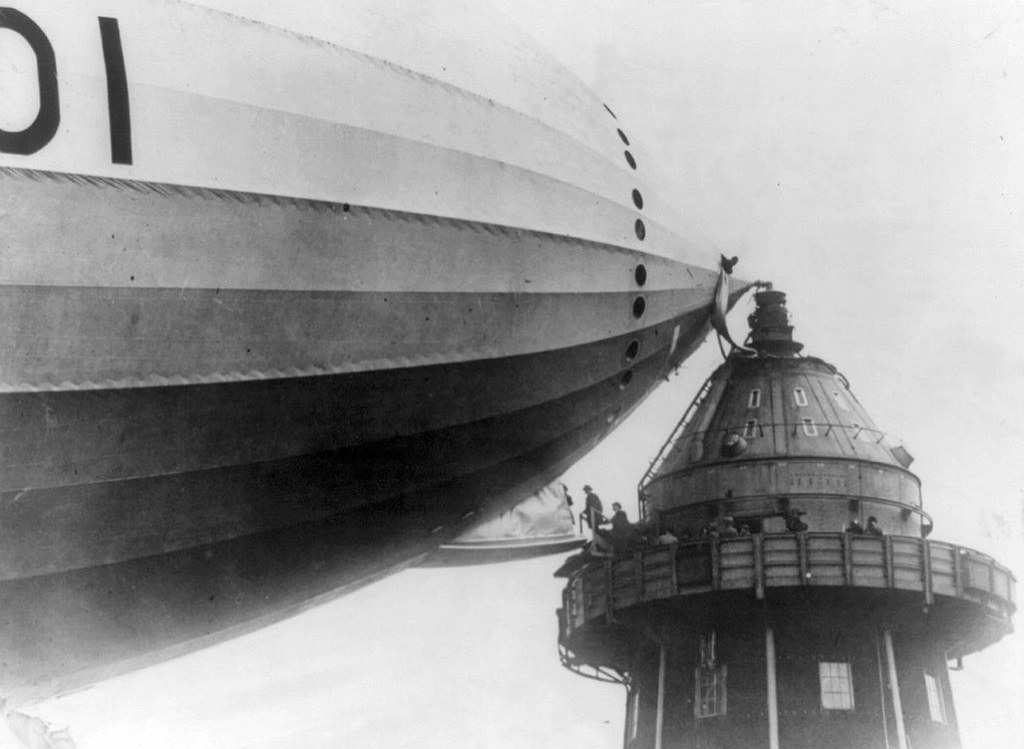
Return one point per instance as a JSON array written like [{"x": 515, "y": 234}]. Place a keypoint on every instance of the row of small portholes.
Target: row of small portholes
[
  {"x": 638, "y": 199},
  {"x": 639, "y": 307}
]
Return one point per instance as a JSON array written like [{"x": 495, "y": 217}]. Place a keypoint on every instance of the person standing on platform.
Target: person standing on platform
[
  {"x": 593, "y": 510},
  {"x": 624, "y": 536}
]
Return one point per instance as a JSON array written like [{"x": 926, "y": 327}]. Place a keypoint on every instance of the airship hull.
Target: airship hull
[
  {"x": 332, "y": 259},
  {"x": 142, "y": 419},
  {"x": 291, "y": 298}
]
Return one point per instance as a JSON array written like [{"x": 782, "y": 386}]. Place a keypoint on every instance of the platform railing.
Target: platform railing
[{"x": 602, "y": 588}]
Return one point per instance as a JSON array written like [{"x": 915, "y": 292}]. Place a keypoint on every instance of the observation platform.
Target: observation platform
[{"x": 963, "y": 595}]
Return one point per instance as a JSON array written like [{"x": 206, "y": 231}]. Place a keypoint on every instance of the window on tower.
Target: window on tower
[
  {"x": 710, "y": 699},
  {"x": 755, "y": 398},
  {"x": 810, "y": 429},
  {"x": 836, "y": 685},
  {"x": 936, "y": 706},
  {"x": 709, "y": 681},
  {"x": 750, "y": 429},
  {"x": 799, "y": 397}
]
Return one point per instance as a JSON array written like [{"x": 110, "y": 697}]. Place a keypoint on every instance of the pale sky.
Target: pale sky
[{"x": 866, "y": 158}]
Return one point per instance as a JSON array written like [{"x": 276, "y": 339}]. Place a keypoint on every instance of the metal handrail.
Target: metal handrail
[
  {"x": 681, "y": 425},
  {"x": 926, "y": 519},
  {"x": 597, "y": 518},
  {"x": 878, "y": 436},
  {"x": 742, "y": 429}
]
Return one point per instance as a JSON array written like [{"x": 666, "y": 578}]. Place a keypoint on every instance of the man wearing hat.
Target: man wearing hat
[{"x": 593, "y": 510}]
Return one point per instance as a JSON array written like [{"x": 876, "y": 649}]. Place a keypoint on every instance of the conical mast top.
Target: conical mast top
[{"x": 770, "y": 331}]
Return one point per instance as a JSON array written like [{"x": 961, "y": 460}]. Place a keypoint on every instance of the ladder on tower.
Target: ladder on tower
[{"x": 662, "y": 456}]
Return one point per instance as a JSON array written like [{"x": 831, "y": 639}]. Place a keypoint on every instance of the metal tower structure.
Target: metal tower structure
[{"x": 793, "y": 597}]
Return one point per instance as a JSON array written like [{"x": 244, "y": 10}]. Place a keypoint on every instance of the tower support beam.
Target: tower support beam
[
  {"x": 894, "y": 690},
  {"x": 659, "y": 726},
  {"x": 773, "y": 695}
]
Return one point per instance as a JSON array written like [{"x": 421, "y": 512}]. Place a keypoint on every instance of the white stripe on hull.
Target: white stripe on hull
[{"x": 255, "y": 109}]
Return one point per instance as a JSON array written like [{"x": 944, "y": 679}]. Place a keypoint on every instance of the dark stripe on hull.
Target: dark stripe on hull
[
  {"x": 72, "y": 338},
  {"x": 62, "y": 631},
  {"x": 106, "y": 232},
  {"x": 169, "y": 468}
]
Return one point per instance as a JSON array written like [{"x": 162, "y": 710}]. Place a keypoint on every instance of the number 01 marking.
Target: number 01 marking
[{"x": 37, "y": 135}]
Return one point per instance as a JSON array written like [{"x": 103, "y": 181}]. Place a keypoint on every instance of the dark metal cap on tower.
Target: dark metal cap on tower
[{"x": 770, "y": 331}]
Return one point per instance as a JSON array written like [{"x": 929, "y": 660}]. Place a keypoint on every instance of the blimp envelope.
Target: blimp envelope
[{"x": 543, "y": 523}]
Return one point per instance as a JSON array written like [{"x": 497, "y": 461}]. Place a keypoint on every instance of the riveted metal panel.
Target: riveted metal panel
[
  {"x": 879, "y": 482},
  {"x": 869, "y": 565},
  {"x": 825, "y": 559},
  {"x": 781, "y": 560},
  {"x": 908, "y": 566},
  {"x": 736, "y": 562}
]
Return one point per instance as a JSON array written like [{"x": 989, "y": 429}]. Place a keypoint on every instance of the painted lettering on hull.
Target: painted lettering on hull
[{"x": 40, "y": 132}]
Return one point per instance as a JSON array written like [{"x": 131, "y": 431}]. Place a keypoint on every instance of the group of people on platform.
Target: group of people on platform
[
  {"x": 615, "y": 535},
  {"x": 872, "y": 529},
  {"x": 612, "y": 535}
]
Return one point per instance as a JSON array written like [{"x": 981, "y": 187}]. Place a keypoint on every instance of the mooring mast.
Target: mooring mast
[{"x": 794, "y": 598}]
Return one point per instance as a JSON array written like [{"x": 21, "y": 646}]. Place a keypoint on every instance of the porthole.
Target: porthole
[
  {"x": 623, "y": 136},
  {"x": 630, "y": 160},
  {"x": 627, "y": 377},
  {"x": 641, "y": 230},
  {"x": 638, "y": 199},
  {"x": 640, "y": 274},
  {"x": 639, "y": 305},
  {"x": 632, "y": 350}
]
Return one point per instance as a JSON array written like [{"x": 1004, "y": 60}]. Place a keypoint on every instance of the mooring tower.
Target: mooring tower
[{"x": 788, "y": 593}]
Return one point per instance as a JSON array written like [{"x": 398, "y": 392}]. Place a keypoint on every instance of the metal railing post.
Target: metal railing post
[
  {"x": 772, "y": 688},
  {"x": 659, "y": 725}
]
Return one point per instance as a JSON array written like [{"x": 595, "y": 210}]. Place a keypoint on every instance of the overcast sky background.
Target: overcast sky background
[{"x": 868, "y": 160}]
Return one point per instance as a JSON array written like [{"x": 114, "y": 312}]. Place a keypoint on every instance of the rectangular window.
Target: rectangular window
[
  {"x": 755, "y": 398},
  {"x": 710, "y": 698},
  {"x": 836, "y": 685},
  {"x": 936, "y": 706},
  {"x": 750, "y": 429},
  {"x": 810, "y": 429},
  {"x": 799, "y": 396}
]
